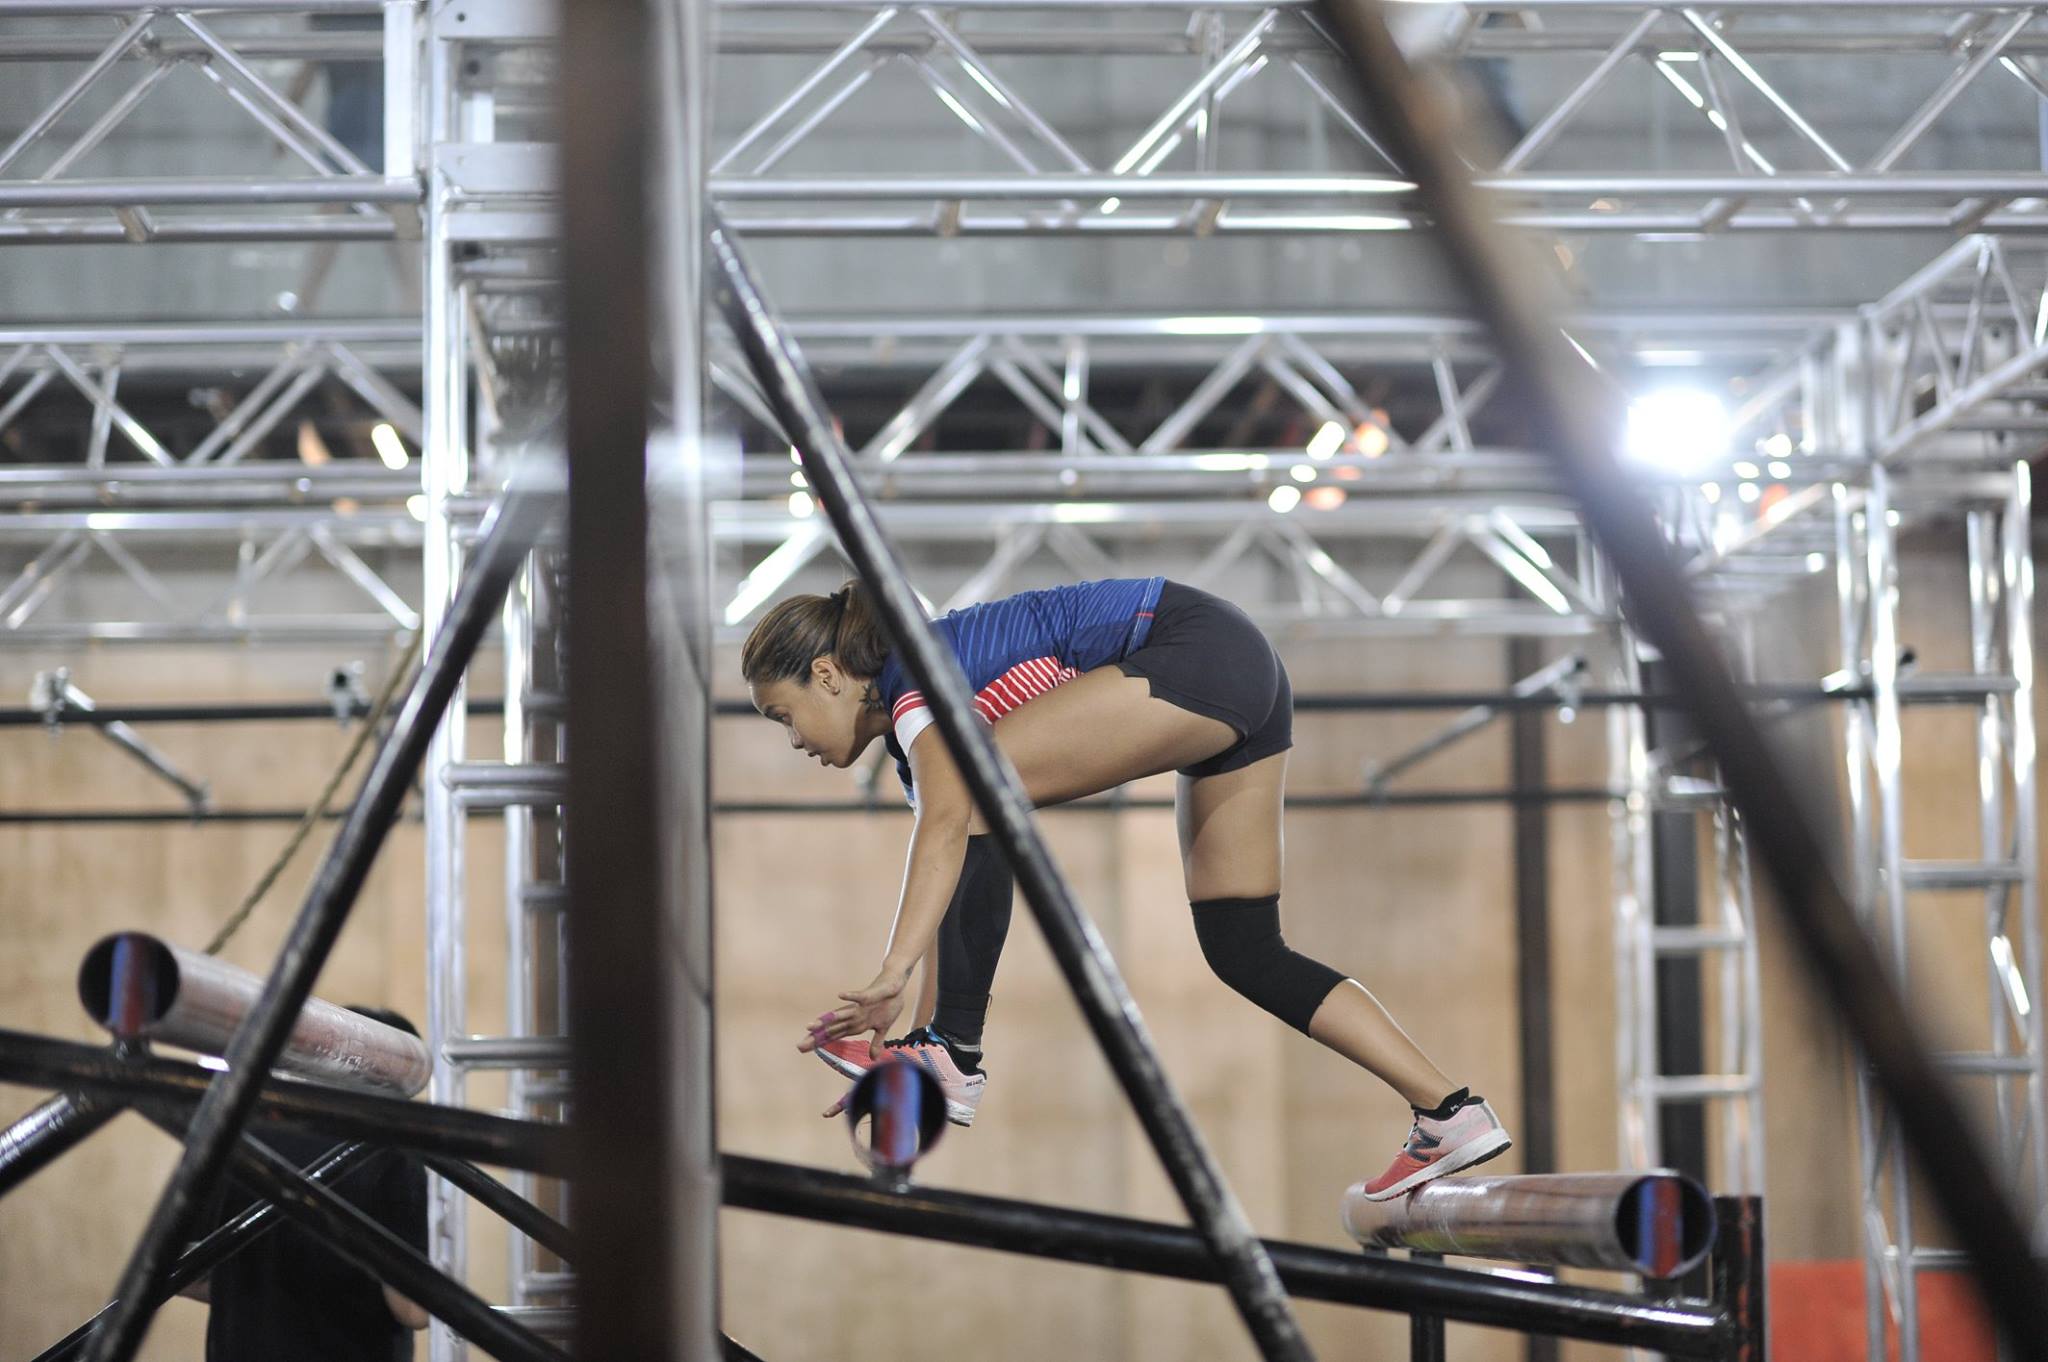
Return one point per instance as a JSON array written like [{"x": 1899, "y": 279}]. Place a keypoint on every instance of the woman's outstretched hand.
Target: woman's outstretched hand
[{"x": 872, "y": 1009}]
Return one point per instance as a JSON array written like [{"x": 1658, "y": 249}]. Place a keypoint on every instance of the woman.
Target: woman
[{"x": 1085, "y": 687}]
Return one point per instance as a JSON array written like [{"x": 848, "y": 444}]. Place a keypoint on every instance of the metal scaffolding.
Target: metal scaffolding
[{"x": 1390, "y": 470}]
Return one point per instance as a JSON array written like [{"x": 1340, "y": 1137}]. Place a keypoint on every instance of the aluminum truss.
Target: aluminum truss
[
  {"x": 1731, "y": 1088},
  {"x": 1566, "y": 419},
  {"x": 1896, "y": 888},
  {"x": 329, "y": 193},
  {"x": 1755, "y": 159}
]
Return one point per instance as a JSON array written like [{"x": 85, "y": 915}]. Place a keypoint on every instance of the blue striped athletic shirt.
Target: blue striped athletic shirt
[{"x": 1021, "y": 647}]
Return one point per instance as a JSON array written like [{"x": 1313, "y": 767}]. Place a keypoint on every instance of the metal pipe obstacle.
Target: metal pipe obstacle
[
  {"x": 143, "y": 988},
  {"x": 1657, "y": 1224}
]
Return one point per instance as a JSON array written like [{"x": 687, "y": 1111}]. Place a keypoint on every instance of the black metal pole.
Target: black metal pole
[
  {"x": 1574, "y": 423},
  {"x": 198, "y": 1259},
  {"x": 1426, "y": 1332},
  {"x": 516, "y": 1211},
  {"x": 1363, "y": 1279},
  {"x": 1395, "y": 799},
  {"x": 46, "y": 1131},
  {"x": 1740, "y": 1273},
  {"x": 509, "y": 531},
  {"x": 618, "y": 966},
  {"x": 1528, "y": 773},
  {"x": 1083, "y": 957},
  {"x": 418, "y": 1127},
  {"x": 1419, "y": 701},
  {"x": 198, "y": 712}
]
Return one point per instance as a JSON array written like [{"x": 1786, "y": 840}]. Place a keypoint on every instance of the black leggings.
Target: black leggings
[
  {"x": 1240, "y": 939},
  {"x": 971, "y": 939}
]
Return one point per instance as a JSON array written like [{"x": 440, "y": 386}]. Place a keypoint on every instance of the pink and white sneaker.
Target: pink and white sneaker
[
  {"x": 1469, "y": 1136},
  {"x": 849, "y": 1057}
]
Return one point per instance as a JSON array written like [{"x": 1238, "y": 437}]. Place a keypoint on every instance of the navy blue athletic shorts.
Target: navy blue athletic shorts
[{"x": 1206, "y": 656}]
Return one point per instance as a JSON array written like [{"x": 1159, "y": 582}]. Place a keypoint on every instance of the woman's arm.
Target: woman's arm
[
  {"x": 404, "y": 1311},
  {"x": 938, "y": 849}
]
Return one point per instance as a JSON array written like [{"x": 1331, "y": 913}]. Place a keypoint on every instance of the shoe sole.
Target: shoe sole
[
  {"x": 1471, "y": 1154},
  {"x": 959, "y": 1113}
]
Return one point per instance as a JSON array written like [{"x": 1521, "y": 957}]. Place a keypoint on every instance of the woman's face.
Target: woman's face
[{"x": 823, "y": 718}]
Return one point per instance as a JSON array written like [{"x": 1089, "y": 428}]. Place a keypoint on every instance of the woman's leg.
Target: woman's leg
[
  {"x": 1089, "y": 735},
  {"x": 1096, "y": 732},
  {"x": 1230, "y": 846}
]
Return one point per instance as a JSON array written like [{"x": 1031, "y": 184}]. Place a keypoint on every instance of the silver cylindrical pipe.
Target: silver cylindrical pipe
[
  {"x": 142, "y": 988},
  {"x": 1659, "y": 1224}
]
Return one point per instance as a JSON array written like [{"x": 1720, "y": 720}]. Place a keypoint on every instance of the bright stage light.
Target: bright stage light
[
  {"x": 390, "y": 448},
  {"x": 1328, "y": 439},
  {"x": 1285, "y": 498},
  {"x": 1680, "y": 430}
]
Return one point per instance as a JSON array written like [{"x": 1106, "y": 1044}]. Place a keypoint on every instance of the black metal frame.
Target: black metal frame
[
  {"x": 97, "y": 1072},
  {"x": 605, "y": 60},
  {"x": 1573, "y": 421},
  {"x": 42, "y": 1134},
  {"x": 509, "y": 532},
  {"x": 198, "y": 1259},
  {"x": 1372, "y": 1280}
]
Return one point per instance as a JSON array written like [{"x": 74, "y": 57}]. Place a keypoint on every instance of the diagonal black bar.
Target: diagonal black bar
[
  {"x": 47, "y": 1131},
  {"x": 735, "y": 1351},
  {"x": 1114, "y": 1241},
  {"x": 198, "y": 1259},
  {"x": 418, "y": 1127},
  {"x": 516, "y": 1211},
  {"x": 509, "y": 532},
  {"x": 1574, "y": 426},
  {"x": 1083, "y": 957}
]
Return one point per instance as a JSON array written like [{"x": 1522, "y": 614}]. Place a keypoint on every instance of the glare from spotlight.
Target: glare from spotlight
[
  {"x": 796, "y": 479},
  {"x": 1711, "y": 491},
  {"x": 1748, "y": 492},
  {"x": 1327, "y": 440},
  {"x": 800, "y": 504},
  {"x": 1301, "y": 472},
  {"x": 416, "y": 507},
  {"x": 1679, "y": 429},
  {"x": 1816, "y": 562},
  {"x": 1779, "y": 469},
  {"x": 1371, "y": 439},
  {"x": 795, "y": 457},
  {"x": 1892, "y": 518},
  {"x": 1325, "y": 498},
  {"x": 1746, "y": 469},
  {"x": 1285, "y": 497},
  {"x": 390, "y": 448},
  {"x": 1777, "y": 446}
]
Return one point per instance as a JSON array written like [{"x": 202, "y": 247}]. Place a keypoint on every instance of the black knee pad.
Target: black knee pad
[{"x": 1241, "y": 941}]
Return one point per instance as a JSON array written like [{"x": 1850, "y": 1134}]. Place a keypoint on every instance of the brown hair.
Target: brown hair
[{"x": 842, "y": 625}]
